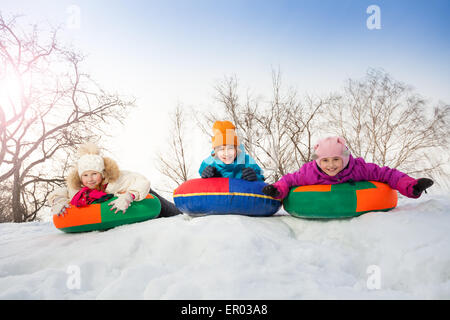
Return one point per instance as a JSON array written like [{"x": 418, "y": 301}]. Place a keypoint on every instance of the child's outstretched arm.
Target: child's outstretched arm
[
  {"x": 396, "y": 179},
  {"x": 59, "y": 200},
  {"x": 421, "y": 185},
  {"x": 133, "y": 183},
  {"x": 284, "y": 184}
]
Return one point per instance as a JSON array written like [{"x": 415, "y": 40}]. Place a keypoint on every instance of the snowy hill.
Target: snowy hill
[{"x": 402, "y": 254}]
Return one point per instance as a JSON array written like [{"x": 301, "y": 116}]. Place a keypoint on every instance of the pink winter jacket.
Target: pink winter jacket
[{"x": 357, "y": 170}]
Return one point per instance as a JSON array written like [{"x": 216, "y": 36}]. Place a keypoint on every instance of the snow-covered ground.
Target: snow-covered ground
[{"x": 402, "y": 254}]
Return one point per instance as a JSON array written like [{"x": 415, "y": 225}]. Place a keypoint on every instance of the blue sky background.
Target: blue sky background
[
  {"x": 164, "y": 52},
  {"x": 317, "y": 44}
]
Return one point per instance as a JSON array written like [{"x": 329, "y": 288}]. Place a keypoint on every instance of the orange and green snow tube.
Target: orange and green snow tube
[
  {"x": 100, "y": 217},
  {"x": 344, "y": 200}
]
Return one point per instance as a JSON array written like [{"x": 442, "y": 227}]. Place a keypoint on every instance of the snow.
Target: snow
[{"x": 401, "y": 254}]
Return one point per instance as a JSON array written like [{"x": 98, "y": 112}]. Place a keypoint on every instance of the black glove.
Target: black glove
[
  {"x": 421, "y": 185},
  {"x": 249, "y": 174},
  {"x": 271, "y": 191},
  {"x": 209, "y": 172}
]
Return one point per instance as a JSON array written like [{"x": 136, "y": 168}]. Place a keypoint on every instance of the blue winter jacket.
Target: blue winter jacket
[{"x": 233, "y": 170}]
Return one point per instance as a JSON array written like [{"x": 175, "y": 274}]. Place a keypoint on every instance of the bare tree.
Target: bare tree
[
  {"x": 173, "y": 163},
  {"x": 306, "y": 126},
  {"x": 243, "y": 114},
  {"x": 275, "y": 145},
  {"x": 54, "y": 107},
  {"x": 386, "y": 123},
  {"x": 5, "y": 198}
]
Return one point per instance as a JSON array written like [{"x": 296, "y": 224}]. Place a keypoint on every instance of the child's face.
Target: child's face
[
  {"x": 226, "y": 153},
  {"x": 91, "y": 179},
  {"x": 331, "y": 166}
]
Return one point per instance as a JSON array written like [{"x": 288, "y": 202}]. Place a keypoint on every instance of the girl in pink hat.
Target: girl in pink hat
[{"x": 334, "y": 164}]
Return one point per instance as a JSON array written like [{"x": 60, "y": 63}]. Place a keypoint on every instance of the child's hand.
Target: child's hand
[
  {"x": 60, "y": 208},
  {"x": 122, "y": 202},
  {"x": 209, "y": 172},
  {"x": 271, "y": 191},
  {"x": 422, "y": 185},
  {"x": 249, "y": 174}
]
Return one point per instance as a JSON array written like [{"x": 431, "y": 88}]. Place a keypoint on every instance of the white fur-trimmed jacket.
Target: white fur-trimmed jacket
[{"x": 117, "y": 183}]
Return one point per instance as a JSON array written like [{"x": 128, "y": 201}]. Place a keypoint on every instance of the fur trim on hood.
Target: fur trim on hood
[{"x": 110, "y": 173}]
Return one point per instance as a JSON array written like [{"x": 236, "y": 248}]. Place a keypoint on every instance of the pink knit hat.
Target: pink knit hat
[{"x": 331, "y": 147}]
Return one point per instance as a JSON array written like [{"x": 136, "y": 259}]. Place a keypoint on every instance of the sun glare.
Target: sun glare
[{"x": 10, "y": 94}]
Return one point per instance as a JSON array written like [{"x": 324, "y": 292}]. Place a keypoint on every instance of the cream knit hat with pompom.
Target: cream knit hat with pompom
[{"x": 90, "y": 159}]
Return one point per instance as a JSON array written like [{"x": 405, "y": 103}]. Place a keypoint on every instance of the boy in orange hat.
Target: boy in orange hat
[{"x": 228, "y": 159}]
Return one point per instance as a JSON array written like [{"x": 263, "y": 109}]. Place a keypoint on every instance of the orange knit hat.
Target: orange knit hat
[{"x": 224, "y": 133}]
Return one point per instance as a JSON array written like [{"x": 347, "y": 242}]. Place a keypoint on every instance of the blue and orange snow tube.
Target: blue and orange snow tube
[
  {"x": 224, "y": 196},
  {"x": 98, "y": 216},
  {"x": 344, "y": 200}
]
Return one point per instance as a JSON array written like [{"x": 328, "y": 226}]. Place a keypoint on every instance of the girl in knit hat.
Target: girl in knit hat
[
  {"x": 98, "y": 178},
  {"x": 334, "y": 164},
  {"x": 228, "y": 159}
]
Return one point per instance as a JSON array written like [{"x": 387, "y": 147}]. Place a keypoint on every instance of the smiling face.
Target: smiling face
[
  {"x": 226, "y": 153},
  {"x": 91, "y": 179},
  {"x": 331, "y": 166}
]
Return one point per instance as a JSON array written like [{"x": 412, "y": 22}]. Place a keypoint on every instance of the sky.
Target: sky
[{"x": 169, "y": 52}]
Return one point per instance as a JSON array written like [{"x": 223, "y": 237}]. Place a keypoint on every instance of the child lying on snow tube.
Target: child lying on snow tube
[
  {"x": 227, "y": 160},
  {"x": 95, "y": 177},
  {"x": 334, "y": 164},
  {"x": 232, "y": 181}
]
